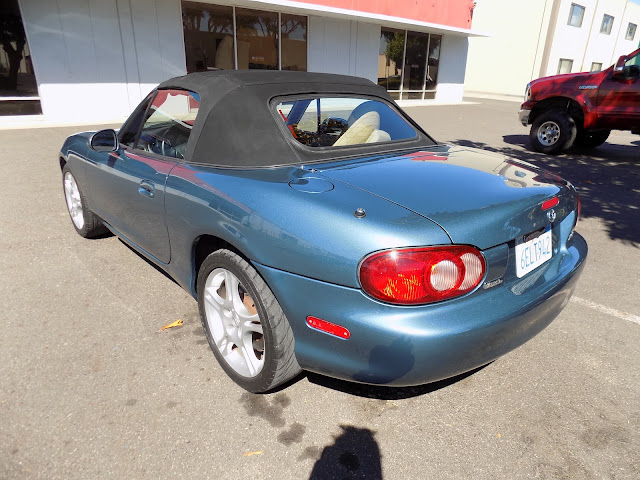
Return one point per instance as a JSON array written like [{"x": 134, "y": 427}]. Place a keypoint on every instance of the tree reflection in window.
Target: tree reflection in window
[
  {"x": 208, "y": 36},
  {"x": 294, "y": 42},
  {"x": 257, "y": 36}
]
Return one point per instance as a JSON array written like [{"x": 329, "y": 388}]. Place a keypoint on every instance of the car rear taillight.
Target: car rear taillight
[
  {"x": 415, "y": 276},
  {"x": 578, "y": 208}
]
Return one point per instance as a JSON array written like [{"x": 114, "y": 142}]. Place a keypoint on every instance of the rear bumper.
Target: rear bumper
[
  {"x": 402, "y": 346},
  {"x": 523, "y": 116}
]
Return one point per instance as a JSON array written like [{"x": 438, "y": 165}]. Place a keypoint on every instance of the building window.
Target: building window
[
  {"x": 607, "y": 24},
  {"x": 230, "y": 38},
  {"x": 415, "y": 65},
  {"x": 576, "y": 15},
  {"x": 18, "y": 86},
  {"x": 408, "y": 63},
  {"x": 294, "y": 42},
  {"x": 208, "y": 36},
  {"x": 596, "y": 67},
  {"x": 565, "y": 66},
  {"x": 390, "y": 58},
  {"x": 631, "y": 31}
]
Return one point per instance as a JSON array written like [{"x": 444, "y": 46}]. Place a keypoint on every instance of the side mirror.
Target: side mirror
[
  {"x": 619, "y": 71},
  {"x": 104, "y": 141}
]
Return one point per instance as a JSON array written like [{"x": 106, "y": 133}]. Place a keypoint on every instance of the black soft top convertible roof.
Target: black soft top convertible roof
[{"x": 236, "y": 126}]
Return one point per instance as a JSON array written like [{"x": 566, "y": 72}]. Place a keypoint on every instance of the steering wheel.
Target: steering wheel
[{"x": 333, "y": 126}]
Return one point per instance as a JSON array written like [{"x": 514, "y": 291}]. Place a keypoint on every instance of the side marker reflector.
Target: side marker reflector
[
  {"x": 328, "y": 327},
  {"x": 552, "y": 202}
]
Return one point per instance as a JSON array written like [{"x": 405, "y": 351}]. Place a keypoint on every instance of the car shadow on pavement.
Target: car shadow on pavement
[
  {"x": 385, "y": 393},
  {"x": 606, "y": 179},
  {"x": 354, "y": 454}
]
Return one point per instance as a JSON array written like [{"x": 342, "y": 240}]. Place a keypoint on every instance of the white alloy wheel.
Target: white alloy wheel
[
  {"x": 74, "y": 201},
  {"x": 234, "y": 323}
]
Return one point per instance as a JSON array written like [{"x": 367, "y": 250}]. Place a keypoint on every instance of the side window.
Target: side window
[
  {"x": 169, "y": 122},
  {"x": 632, "y": 66},
  {"x": 343, "y": 121},
  {"x": 131, "y": 127}
]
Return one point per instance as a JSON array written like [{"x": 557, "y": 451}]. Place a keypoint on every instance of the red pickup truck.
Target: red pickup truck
[{"x": 582, "y": 108}]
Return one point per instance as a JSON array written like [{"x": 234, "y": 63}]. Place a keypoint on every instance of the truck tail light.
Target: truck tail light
[{"x": 415, "y": 276}]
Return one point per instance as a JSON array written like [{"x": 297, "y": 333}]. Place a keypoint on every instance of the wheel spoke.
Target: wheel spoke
[
  {"x": 249, "y": 326},
  {"x": 250, "y": 358},
  {"x": 213, "y": 298},
  {"x": 232, "y": 283},
  {"x": 223, "y": 345}
]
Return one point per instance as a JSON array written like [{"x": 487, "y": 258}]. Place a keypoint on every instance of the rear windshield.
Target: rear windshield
[{"x": 342, "y": 121}]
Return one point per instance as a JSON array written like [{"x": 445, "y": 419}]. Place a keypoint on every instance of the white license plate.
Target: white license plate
[{"x": 530, "y": 255}]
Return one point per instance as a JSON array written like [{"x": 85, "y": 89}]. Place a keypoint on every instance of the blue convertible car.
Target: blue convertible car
[{"x": 320, "y": 228}]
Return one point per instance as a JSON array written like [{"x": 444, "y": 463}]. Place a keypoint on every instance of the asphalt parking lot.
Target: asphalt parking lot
[{"x": 92, "y": 388}]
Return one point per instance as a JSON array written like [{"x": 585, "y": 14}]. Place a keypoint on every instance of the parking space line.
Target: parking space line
[{"x": 609, "y": 311}]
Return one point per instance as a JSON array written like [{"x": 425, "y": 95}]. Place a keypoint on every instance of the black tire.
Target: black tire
[
  {"x": 278, "y": 359},
  {"x": 591, "y": 139},
  {"x": 552, "y": 132},
  {"x": 86, "y": 223}
]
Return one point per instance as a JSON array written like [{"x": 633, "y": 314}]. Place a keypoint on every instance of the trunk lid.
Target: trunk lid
[{"x": 478, "y": 198}]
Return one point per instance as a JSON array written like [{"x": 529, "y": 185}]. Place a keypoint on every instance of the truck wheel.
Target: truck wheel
[
  {"x": 552, "y": 132},
  {"x": 592, "y": 139}
]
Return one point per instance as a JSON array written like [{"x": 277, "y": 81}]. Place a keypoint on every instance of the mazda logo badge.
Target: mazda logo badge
[{"x": 551, "y": 215}]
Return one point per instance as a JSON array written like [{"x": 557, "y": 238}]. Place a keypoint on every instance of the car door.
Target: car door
[
  {"x": 619, "y": 98},
  {"x": 129, "y": 184}
]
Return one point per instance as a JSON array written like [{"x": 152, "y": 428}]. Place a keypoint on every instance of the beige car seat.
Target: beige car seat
[
  {"x": 378, "y": 136},
  {"x": 360, "y": 131}
]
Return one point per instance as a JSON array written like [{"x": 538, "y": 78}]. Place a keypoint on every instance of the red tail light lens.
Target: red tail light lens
[
  {"x": 578, "y": 208},
  {"x": 415, "y": 276}
]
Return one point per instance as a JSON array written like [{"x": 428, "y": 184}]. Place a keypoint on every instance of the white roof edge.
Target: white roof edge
[{"x": 387, "y": 20}]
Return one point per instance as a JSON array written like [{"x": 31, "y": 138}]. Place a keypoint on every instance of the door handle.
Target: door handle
[{"x": 147, "y": 188}]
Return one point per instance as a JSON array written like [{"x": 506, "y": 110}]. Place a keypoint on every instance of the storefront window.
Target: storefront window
[
  {"x": 415, "y": 65},
  {"x": 208, "y": 36},
  {"x": 390, "y": 60},
  {"x": 435, "y": 43},
  {"x": 18, "y": 87},
  {"x": 261, "y": 40},
  {"x": 294, "y": 42},
  {"x": 419, "y": 53},
  {"x": 257, "y": 35}
]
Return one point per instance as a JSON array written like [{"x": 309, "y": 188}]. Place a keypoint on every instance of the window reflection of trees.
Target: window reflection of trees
[
  {"x": 208, "y": 35},
  {"x": 209, "y": 28},
  {"x": 420, "y": 53}
]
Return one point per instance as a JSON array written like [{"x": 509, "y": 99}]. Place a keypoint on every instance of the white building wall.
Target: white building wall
[
  {"x": 624, "y": 46},
  {"x": 519, "y": 51},
  {"x": 451, "y": 72},
  {"x": 505, "y": 62},
  {"x": 601, "y": 47},
  {"x": 586, "y": 44},
  {"x": 95, "y": 59},
  {"x": 569, "y": 42},
  {"x": 351, "y": 48},
  {"x": 345, "y": 47}
]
